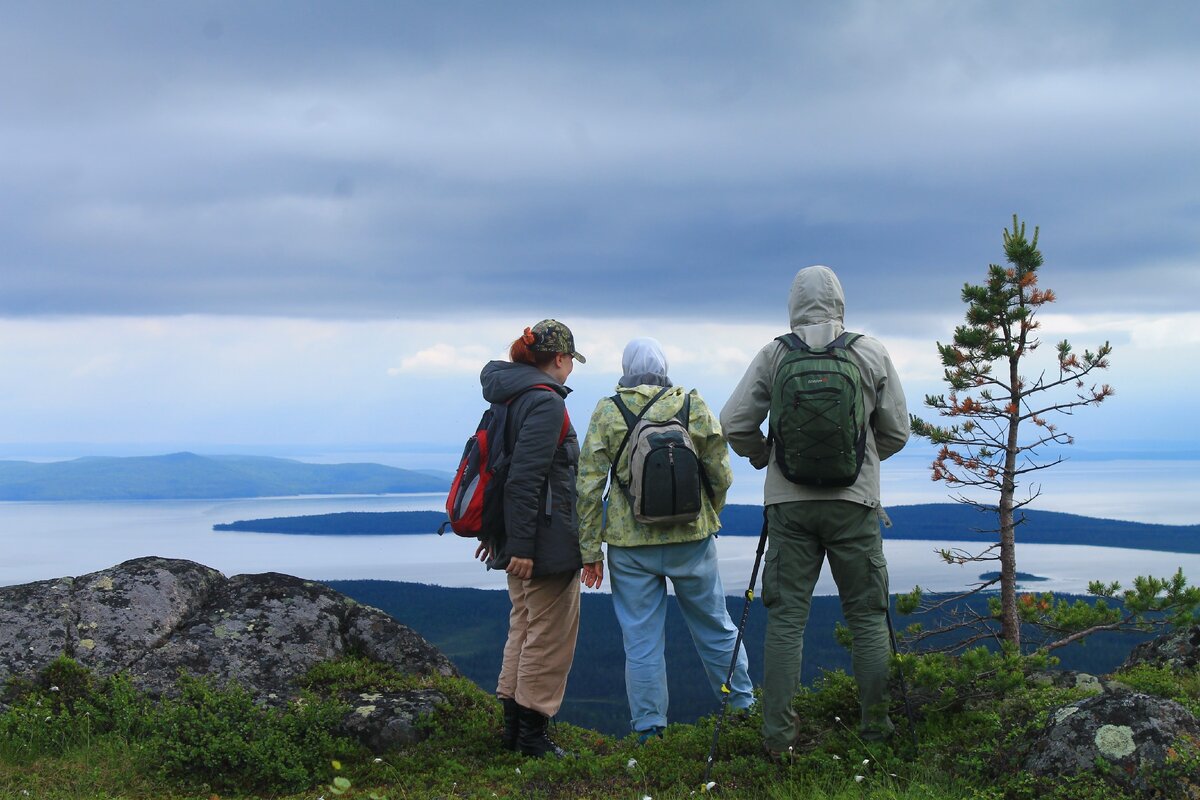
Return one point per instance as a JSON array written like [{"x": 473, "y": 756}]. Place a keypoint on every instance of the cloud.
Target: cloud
[
  {"x": 417, "y": 161},
  {"x": 202, "y": 381},
  {"x": 443, "y": 358}
]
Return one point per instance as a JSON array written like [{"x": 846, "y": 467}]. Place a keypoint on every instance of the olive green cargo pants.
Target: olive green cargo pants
[{"x": 801, "y": 535}]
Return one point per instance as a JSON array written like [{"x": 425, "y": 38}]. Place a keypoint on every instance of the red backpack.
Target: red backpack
[{"x": 475, "y": 505}]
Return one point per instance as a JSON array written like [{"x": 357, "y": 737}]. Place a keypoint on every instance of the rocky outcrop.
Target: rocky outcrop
[
  {"x": 155, "y": 617},
  {"x": 1179, "y": 650},
  {"x": 1133, "y": 739}
]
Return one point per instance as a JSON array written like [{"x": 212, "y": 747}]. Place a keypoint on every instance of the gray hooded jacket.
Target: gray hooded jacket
[
  {"x": 817, "y": 307},
  {"x": 539, "y": 496}
]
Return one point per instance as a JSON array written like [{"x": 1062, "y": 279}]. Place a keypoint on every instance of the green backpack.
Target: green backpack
[{"x": 817, "y": 424}]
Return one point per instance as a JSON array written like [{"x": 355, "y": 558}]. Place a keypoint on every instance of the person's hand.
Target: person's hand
[
  {"x": 763, "y": 457},
  {"x": 593, "y": 574},
  {"x": 520, "y": 568},
  {"x": 483, "y": 552}
]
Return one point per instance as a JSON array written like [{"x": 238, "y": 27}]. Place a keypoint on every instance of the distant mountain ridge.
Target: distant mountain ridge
[
  {"x": 931, "y": 521},
  {"x": 188, "y": 476}
]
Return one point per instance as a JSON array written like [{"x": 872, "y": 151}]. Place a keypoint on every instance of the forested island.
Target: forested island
[{"x": 932, "y": 521}]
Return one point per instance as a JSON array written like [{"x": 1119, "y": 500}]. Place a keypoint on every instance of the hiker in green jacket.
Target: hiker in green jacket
[
  {"x": 806, "y": 524},
  {"x": 643, "y": 556}
]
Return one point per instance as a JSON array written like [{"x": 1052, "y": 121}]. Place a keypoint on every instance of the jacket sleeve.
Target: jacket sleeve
[
  {"x": 890, "y": 421},
  {"x": 714, "y": 452},
  {"x": 595, "y": 460},
  {"x": 744, "y": 412},
  {"x": 532, "y": 456}
]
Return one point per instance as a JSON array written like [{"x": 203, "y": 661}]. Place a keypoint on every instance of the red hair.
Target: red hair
[{"x": 519, "y": 352}]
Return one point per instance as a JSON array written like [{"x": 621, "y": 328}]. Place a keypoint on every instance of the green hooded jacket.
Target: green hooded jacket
[{"x": 605, "y": 431}]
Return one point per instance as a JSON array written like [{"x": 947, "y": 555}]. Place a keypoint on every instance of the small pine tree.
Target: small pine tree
[{"x": 999, "y": 426}]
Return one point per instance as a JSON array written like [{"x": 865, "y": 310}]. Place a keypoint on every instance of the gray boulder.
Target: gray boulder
[
  {"x": 384, "y": 721},
  {"x": 156, "y": 617},
  {"x": 1179, "y": 650},
  {"x": 37, "y": 624},
  {"x": 1083, "y": 681},
  {"x": 1135, "y": 735}
]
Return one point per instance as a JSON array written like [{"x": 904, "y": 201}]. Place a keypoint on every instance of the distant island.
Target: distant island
[
  {"x": 1021, "y": 576},
  {"x": 344, "y": 523},
  {"x": 931, "y": 521},
  {"x": 187, "y": 476}
]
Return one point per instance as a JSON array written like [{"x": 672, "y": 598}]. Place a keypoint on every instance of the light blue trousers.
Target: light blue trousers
[{"x": 638, "y": 577}]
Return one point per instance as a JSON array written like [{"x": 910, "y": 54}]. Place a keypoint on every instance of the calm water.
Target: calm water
[{"x": 40, "y": 541}]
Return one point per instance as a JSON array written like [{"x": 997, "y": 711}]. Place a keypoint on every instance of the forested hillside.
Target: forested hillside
[{"x": 187, "y": 476}]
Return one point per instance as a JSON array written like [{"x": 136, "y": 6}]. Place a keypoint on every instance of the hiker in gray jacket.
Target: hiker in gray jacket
[{"x": 806, "y": 524}]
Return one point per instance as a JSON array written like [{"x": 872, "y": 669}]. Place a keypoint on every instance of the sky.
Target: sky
[{"x": 303, "y": 228}]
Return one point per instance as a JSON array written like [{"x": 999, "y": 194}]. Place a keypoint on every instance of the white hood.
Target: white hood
[{"x": 816, "y": 298}]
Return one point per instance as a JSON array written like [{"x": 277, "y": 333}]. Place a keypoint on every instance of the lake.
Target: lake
[{"x": 45, "y": 540}]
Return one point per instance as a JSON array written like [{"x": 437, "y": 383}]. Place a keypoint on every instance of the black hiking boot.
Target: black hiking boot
[
  {"x": 533, "y": 739},
  {"x": 512, "y": 725}
]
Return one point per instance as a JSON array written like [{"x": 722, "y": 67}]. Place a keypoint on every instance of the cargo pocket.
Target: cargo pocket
[
  {"x": 770, "y": 584},
  {"x": 879, "y": 582}
]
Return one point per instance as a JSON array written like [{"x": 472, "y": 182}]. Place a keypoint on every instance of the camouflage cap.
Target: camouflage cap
[{"x": 554, "y": 337}]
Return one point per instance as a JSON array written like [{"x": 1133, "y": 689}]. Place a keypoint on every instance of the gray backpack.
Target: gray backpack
[{"x": 664, "y": 469}]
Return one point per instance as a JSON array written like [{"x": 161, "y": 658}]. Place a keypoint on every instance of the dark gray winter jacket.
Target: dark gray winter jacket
[{"x": 539, "y": 495}]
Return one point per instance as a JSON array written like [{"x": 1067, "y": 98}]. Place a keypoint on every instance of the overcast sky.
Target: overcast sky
[{"x": 276, "y": 223}]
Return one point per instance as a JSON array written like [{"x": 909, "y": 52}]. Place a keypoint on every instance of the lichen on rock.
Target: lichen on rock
[{"x": 1115, "y": 741}]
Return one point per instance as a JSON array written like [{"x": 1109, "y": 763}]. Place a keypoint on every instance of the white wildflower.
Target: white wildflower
[
  {"x": 54, "y": 688},
  {"x": 866, "y": 761},
  {"x": 837, "y": 719},
  {"x": 859, "y": 778},
  {"x": 379, "y": 761},
  {"x": 710, "y": 786},
  {"x": 518, "y": 770},
  {"x": 836, "y": 757},
  {"x": 631, "y": 764}
]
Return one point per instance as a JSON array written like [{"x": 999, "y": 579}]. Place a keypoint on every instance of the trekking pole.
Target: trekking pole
[
  {"x": 737, "y": 646},
  {"x": 912, "y": 725}
]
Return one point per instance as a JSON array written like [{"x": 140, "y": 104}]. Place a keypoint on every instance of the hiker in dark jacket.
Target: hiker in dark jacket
[{"x": 540, "y": 547}]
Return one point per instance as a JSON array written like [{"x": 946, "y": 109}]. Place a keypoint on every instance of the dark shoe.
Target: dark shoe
[
  {"x": 532, "y": 738},
  {"x": 645, "y": 736},
  {"x": 782, "y": 756},
  {"x": 508, "y": 735}
]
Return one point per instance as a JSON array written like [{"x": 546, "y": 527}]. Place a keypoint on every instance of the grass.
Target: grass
[{"x": 97, "y": 739}]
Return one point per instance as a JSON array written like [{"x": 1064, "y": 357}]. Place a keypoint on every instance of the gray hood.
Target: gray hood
[
  {"x": 503, "y": 379},
  {"x": 817, "y": 299}
]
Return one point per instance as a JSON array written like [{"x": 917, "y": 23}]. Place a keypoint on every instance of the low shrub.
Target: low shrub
[{"x": 222, "y": 738}]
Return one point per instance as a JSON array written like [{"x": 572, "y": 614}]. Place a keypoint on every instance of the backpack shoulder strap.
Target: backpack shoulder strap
[
  {"x": 793, "y": 342},
  {"x": 844, "y": 341},
  {"x": 685, "y": 416},
  {"x": 566, "y": 424}
]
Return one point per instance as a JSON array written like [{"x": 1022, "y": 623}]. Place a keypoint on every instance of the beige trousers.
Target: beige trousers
[{"x": 542, "y": 629}]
